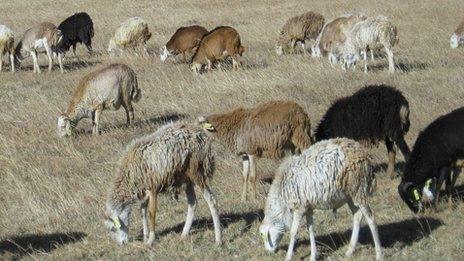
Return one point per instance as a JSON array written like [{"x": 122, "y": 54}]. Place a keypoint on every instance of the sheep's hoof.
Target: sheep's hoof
[
  {"x": 349, "y": 252},
  {"x": 151, "y": 239}
]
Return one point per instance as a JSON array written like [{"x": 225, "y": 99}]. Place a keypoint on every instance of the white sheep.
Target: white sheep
[
  {"x": 367, "y": 34},
  {"x": 44, "y": 36},
  {"x": 458, "y": 36},
  {"x": 6, "y": 45},
  {"x": 328, "y": 175},
  {"x": 130, "y": 33},
  {"x": 106, "y": 88},
  {"x": 176, "y": 154}
]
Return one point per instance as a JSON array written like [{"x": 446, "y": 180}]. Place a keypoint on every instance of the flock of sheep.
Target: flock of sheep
[{"x": 327, "y": 170}]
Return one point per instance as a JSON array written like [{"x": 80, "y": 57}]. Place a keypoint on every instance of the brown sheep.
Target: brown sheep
[
  {"x": 267, "y": 130},
  {"x": 107, "y": 88},
  {"x": 299, "y": 29},
  {"x": 184, "y": 40},
  {"x": 333, "y": 36},
  {"x": 219, "y": 44}
]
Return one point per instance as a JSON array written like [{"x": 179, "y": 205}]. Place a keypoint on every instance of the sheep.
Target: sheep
[
  {"x": 333, "y": 36},
  {"x": 6, "y": 45},
  {"x": 174, "y": 155},
  {"x": 77, "y": 28},
  {"x": 42, "y": 36},
  {"x": 328, "y": 175},
  {"x": 130, "y": 33},
  {"x": 219, "y": 44},
  {"x": 106, "y": 88},
  {"x": 458, "y": 36},
  {"x": 370, "y": 33},
  {"x": 267, "y": 130},
  {"x": 372, "y": 114},
  {"x": 184, "y": 40},
  {"x": 299, "y": 29},
  {"x": 439, "y": 148}
]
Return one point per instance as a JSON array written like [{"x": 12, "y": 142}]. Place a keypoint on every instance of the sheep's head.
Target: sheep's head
[
  {"x": 164, "y": 53},
  {"x": 64, "y": 126},
  {"x": 411, "y": 195},
  {"x": 118, "y": 224},
  {"x": 205, "y": 124},
  {"x": 271, "y": 235},
  {"x": 454, "y": 41}
]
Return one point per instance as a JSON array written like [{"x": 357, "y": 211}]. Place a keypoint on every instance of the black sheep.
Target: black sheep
[
  {"x": 437, "y": 151},
  {"x": 372, "y": 114},
  {"x": 77, "y": 28}
]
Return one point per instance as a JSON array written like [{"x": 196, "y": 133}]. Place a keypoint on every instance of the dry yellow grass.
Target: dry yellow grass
[{"x": 52, "y": 190}]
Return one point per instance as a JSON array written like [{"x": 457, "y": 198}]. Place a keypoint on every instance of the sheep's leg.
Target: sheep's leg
[
  {"x": 372, "y": 54},
  {"x": 443, "y": 174},
  {"x": 245, "y": 173},
  {"x": 292, "y": 46},
  {"x": 448, "y": 189},
  {"x": 365, "y": 60},
  {"x": 12, "y": 62},
  {"x": 152, "y": 205},
  {"x": 391, "y": 62},
  {"x": 93, "y": 122},
  {"x": 74, "y": 51},
  {"x": 210, "y": 65},
  {"x": 1, "y": 62},
  {"x": 60, "y": 62},
  {"x": 191, "y": 201},
  {"x": 297, "y": 215},
  {"x": 312, "y": 234},
  {"x": 143, "y": 210},
  {"x": 367, "y": 213},
  {"x": 185, "y": 57},
  {"x": 252, "y": 178},
  {"x": 401, "y": 143},
  {"x": 209, "y": 197},
  {"x": 49, "y": 55},
  {"x": 357, "y": 217},
  {"x": 303, "y": 47},
  {"x": 391, "y": 158},
  {"x": 96, "y": 129},
  {"x": 36, "y": 63}
]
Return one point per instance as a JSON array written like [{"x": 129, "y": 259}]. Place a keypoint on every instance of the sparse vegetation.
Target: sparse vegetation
[{"x": 53, "y": 190}]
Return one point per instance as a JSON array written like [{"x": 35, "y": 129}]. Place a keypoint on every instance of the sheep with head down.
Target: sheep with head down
[
  {"x": 130, "y": 34},
  {"x": 6, "y": 45}
]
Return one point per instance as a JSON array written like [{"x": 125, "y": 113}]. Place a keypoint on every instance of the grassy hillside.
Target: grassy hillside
[{"x": 53, "y": 190}]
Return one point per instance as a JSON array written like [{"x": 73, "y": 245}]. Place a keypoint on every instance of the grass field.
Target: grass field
[{"x": 53, "y": 190}]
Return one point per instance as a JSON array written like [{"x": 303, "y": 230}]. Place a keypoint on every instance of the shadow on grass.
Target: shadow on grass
[
  {"x": 157, "y": 120},
  {"x": 399, "y": 168},
  {"x": 405, "y": 232},
  {"x": 400, "y": 66},
  {"x": 67, "y": 66},
  {"x": 27, "y": 244},
  {"x": 226, "y": 219}
]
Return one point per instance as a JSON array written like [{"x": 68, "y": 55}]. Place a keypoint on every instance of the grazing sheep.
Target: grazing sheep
[
  {"x": 370, "y": 33},
  {"x": 326, "y": 176},
  {"x": 130, "y": 33},
  {"x": 299, "y": 29},
  {"x": 107, "y": 88},
  {"x": 184, "y": 40},
  {"x": 372, "y": 114},
  {"x": 6, "y": 45},
  {"x": 333, "y": 37},
  {"x": 439, "y": 148},
  {"x": 458, "y": 36},
  {"x": 77, "y": 28},
  {"x": 42, "y": 36},
  {"x": 219, "y": 44},
  {"x": 176, "y": 154},
  {"x": 267, "y": 130}
]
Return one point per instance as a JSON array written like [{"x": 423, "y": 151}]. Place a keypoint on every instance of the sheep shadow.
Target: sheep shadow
[
  {"x": 28, "y": 244},
  {"x": 404, "y": 232},
  {"x": 399, "y": 168},
  {"x": 400, "y": 66},
  {"x": 169, "y": 117},
  {"x": 226, "y": 219},
  {"x": 78, "y": 64}
]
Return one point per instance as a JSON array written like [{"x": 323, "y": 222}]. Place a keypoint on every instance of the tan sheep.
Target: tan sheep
[
  {"x": 299, "y": 29},
  {"x": 42, "y": 36},
  {"x": 6, "y": 45},
  {"x": 130, "y": 34},
  {"x": 107, "y": 88},
  {"x": 333, "y": 36},
  {"x": 267, "y": 130},
  {"x": 184, "y": 41},
  {"x": 219, "y": 44},
  {"x": 176, "y": 154}
]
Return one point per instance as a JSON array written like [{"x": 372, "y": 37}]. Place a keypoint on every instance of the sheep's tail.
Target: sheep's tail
[
  {"x": 136, "y": 92},
  {"x": 302, "y": 137}
]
